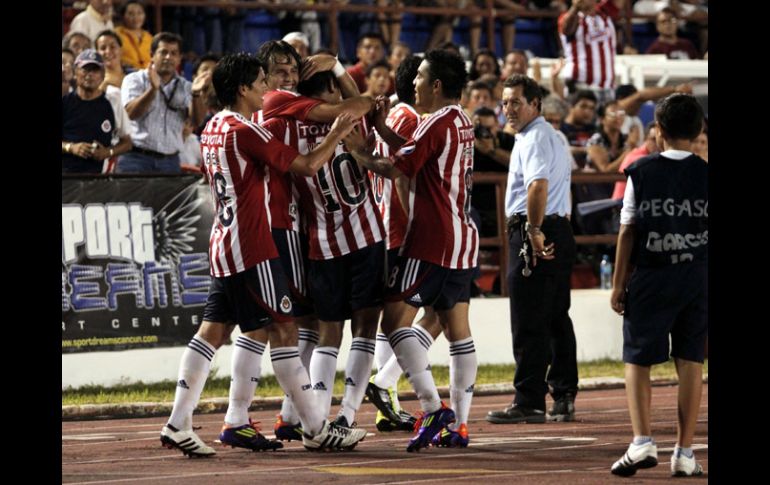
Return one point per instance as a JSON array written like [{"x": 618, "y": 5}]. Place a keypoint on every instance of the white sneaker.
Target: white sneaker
[
  {"x": 186, "y": 441},
  {"x": 334, "y": 437},
  {"x": 636, "y": 457},
  {"x": 681, "y": 466}
]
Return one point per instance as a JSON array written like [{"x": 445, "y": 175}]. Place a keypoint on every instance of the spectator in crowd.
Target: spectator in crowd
[
  {"x": 579, "y": 126},
  {"x": 67, "y": 71},
  {"x": 442, "y": 25},
  {"x": 614, "y": 9},
  {"x": 390, "y": 24},
  {"x": 451, "y": 47},
  {"x": 506, "y": 13},
  {"x": 588, "y": 40},
  {"x": 157, "y": 101},
  {"x": 94, "y": 19},
  {"x": 484, "y": 62},
  {"x": 491, "y": 153},
  {"x": 304, "y": 22},
  {"x": 110, "y": 47},
  {"x": 661, "y": 289},
  {"x": 190, "y": 157},
  {"x": 668, "y": 42},
  {"x": 515, "y": 62},
  {"x": 495, "y": 83},
  {"x": 377, "y": 79},
  {"x": 555, "y": 110},
  {"x": 135, "y": 40},
  {"x": 206, "y": 64},
  {"x": 649, "y": 146},
  {"x": 398, "y": 52},
  {"x": 700, "y": 146},
  {"x": 608, "y": 146},
  {"x": 300, "y": 42},
  {"x": 693, "y": 15},
  {"x": 370, "y": 49},
  {"x": 76, "y": 41},
  {"x": 88, "y": 120},
  {"x": 631, "y": 100},
  {"x": 479, "y": 95}
]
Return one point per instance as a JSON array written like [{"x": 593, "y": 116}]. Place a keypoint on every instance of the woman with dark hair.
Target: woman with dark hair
[
  {"x": 484, "y": 62},
  {"x": 110, "y": 47},
  {"x": 136, "y": 40}
]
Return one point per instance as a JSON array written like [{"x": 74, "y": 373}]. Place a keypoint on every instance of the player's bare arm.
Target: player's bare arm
[
  {"x": 326, "y": 62},
  {"x": 381, "y": 110},
  {"x": 357, "y": 145},
  {"x": 355, "y": 107}
]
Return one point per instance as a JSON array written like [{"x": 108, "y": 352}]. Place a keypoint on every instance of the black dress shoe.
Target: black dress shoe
[{"x": 516, "y": 414}]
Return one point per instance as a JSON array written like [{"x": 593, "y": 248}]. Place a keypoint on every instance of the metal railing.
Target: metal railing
[{"x": 500, "y": 242}]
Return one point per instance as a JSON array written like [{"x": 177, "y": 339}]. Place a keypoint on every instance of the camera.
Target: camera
[{"x": 482, "y": 132}]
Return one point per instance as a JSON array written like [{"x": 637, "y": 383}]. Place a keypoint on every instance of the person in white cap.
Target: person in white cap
[{"x": 300, "y": 42}]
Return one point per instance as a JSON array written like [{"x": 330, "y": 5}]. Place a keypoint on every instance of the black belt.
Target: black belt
[
  {"x": 151, "y": 153},
  {"x": 516, "y": 220}
]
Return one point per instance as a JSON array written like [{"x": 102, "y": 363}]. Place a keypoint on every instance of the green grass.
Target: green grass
[{"x": 268, "y": 386}]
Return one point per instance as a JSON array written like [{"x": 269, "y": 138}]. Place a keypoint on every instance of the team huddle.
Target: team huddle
[{"x": 333, "y": 206}]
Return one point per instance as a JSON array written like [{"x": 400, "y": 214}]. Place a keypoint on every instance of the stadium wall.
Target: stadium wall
[{"x": 598, "y": 331}]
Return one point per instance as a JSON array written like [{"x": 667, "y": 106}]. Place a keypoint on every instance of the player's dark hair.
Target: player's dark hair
[
  {"x": 274, "y": 49},
  {"x": 232, "y": 72},
  {"x": 449, "y": 68},
  {"x": 317, "y": 84},
  {"x": 405, "y": 75}
]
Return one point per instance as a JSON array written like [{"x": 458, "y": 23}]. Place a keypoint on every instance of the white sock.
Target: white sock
[
  {"x": 306, "y": 343},
  {"x": 323, "y": 366},
  {"x": 193, "y": 371},
  {"x": 462, "y": 376},
  {"x": 357, "y": 372},
  {"x": 425, "y": 338},
  {"x": 294, "y": 380},
  {"x": 413, "y": 358},
  {"x": 382, "y": 351},
  {"x": 246, "y": 371},
  {"x": 389, "y": 374}
]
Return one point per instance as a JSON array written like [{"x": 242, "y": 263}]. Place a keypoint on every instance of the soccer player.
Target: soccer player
[
  {"x": 440, "y": 250},
  {"x": 249, "y": 286}
]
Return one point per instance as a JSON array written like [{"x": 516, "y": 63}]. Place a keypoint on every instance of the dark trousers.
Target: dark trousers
[{"x": 540, "y": 323}]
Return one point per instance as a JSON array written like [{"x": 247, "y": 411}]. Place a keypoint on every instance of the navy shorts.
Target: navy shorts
[
  {"x": 343, "y": 285},
  {"x": 293, "y": 249},
  {"x": 392, "y": 259},
  {"x": 253, "y": 299},
  {"x": 671, "y": 300},
  {"x": 420, "y": 283}
]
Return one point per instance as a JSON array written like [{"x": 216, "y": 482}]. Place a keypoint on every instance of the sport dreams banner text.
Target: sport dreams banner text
[{"x": 135, "y": 270}]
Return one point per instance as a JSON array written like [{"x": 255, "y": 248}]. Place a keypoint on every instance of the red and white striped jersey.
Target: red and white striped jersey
[
  {"x": 439, "y": 160},
  {"x": 284, "y": 200},
  {"x": 590, "y": 51},
  {"x": 287, "y": 104},
  {"x": 402, "y": 119},
  {"x": 237, "y": 157},
  {"x": 337, "y": 203}
]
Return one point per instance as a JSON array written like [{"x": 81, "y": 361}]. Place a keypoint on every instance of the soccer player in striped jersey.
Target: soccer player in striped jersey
[
  {"x": 283, "y": 68},
  {"x": 249, "y": 287},
  {"x": 347, "y": 251},
  {"x": 382, "y": 389},
  {"x": 440, "y": 249}
]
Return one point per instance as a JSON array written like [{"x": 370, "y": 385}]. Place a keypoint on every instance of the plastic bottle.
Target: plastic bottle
[{"x": 605, "y": 273}]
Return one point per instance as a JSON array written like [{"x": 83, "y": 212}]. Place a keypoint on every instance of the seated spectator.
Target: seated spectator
[
  {"x": 579, "y": 126},
  {"x": 203, "y": 65},
  {"x": 700, "y": 146},
  {"x": 300, "y": 42},
  {"x": 607, "y": 147},
  {"x": 484, "y": 62},
  {"x": 631, "y": 100},
  {"x": 554, "y": 111},
  {"x": 190, "y": 156},
  {"x": 491, "y": 153},
  {"x": 369, "y": 50},
  {"x": 668, "y": 42},
  {"x": 94, "y": 19},
  {"x": 398, "y": 52},
  {"x": 158, "y": 101},
  {"x": 649, "y": 146},
  {"x": 76, "y": 41},
  {"x": 506, "y": 13},
  {"x": 135, "y": 40},
  {"x": 495, "y": 83},
  {"x": 67, "y": 71},
  {"x": 377, "y": 79},
  {"x": 479, "y": 95},
  {"x": 110, "y": 47},
  {"x": 88, "y": 120},
  {"x": 515, "y": 62}
]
